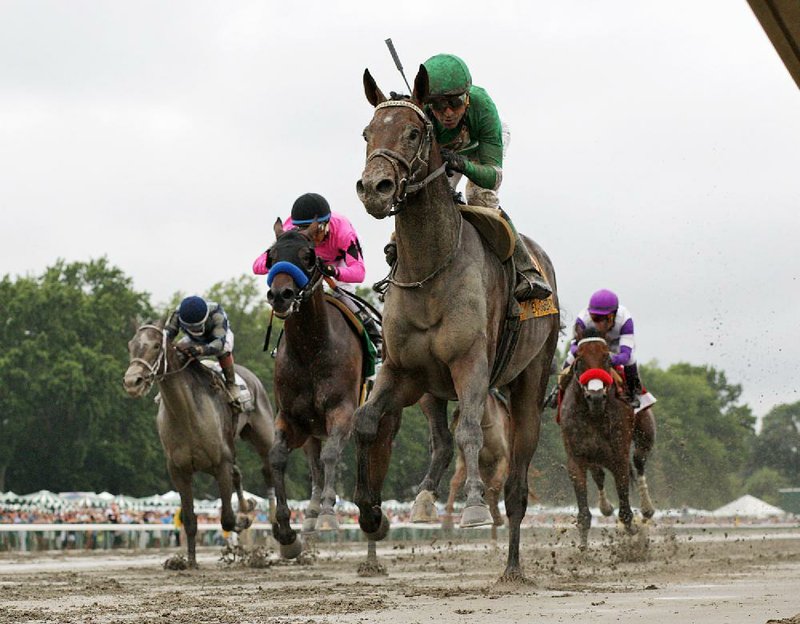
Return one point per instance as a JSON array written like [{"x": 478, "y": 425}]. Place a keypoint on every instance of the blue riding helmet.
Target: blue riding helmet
[{"x": 192, "y": 315}]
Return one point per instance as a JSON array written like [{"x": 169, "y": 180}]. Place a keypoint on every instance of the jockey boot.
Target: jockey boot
[
  {"x": 561, "y": 385},
  {"x": 230, "y": 384},
  {"x": 530, "y": 282},
  {"x": 374, "y": 332},
  {"x": 634, "y": 385}
]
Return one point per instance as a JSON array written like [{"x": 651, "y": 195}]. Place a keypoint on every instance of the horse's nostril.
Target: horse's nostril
[
  {"x": 270, "y": 295},
  {"x": 287, "y": 293},
  {"x": 360, "y": 187},
  {"x": 385, "y": 187}
]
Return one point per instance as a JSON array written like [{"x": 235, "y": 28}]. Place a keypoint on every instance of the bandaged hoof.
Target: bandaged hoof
[
  {"x": 309, "y": 525},
  {"x": 293, "y": 550},
  {"x": 327, "y": 522},
  {"x": 382, "y": 531},
  {"x": 424, "y": 508},
  {"x": 606, "y": 508},
  {"x": 475, "y": 516}
]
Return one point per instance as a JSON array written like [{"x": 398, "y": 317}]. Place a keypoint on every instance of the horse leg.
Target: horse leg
[
  {"x": 456, "y": 483},
  {"x": 225, "y": 480},
  {"x": 338, "y": 435},
  {"x": 290, "y": 546},
  {"x": 469, "y": 434},
  {"x": 599, "y": 476},
  {"x": 525, "y": 400},
  {"x": 183, "y": 483},
  {"x": 376, "y": 423},
  {"x": 441, "y": 440},
  {"x": 258, "y": 438},
  {"x": 622, "y": 479},
  {"x": 577, "y": 474},
  {"x": 311, "y": 449},
  {"x": 494, "y": 484},
  {"x": 644, "y": 437}
]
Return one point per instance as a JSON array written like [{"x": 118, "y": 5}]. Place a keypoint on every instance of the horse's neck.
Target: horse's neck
[
  {"x": 307, "y": 329},
  {"x": 426, "y": 230},
  {"x": 176, "y": 388}
]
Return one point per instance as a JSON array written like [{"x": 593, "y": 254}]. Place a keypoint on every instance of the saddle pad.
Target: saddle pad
[
  {"x": 368, "y": 349},
  {"x": 645, "y": 400},
  {"x": 535, "y": 308},
  {"x": 246, "y": 399},
  {"x": 491, "y": 225}
]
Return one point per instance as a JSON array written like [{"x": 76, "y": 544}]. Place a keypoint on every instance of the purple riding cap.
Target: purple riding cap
[{"x": 603, "y": 302}]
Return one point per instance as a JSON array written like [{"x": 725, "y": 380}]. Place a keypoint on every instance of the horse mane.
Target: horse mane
[{"x": 592, "y": 332}]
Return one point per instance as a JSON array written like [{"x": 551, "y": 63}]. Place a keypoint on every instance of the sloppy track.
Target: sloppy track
[{"x": 709, "y": 575}]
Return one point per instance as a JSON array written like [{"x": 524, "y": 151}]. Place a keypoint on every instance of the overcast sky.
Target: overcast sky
[{"x": 654, "y": 148}]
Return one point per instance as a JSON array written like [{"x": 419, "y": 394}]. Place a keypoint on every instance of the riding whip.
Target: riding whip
[{"x": 397, "y": 63}]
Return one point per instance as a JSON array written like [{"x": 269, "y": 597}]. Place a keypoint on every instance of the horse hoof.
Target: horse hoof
[
  {"x": 475, "y": 516},
  {"x": 309, "y": 525},
  {"x": 382, "y": 531},
  {"x": 242, "y": 522},
  {"x": 249, "y": 505},
  {"x": 327, "y": 522},
  {"x": 293, "y": 550},
  {"x": 607, "y": 510},
  {"x": 424, "y": 508}
]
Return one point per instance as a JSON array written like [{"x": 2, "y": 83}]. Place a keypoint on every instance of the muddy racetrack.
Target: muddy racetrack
[{"x": 684, "y": 575}]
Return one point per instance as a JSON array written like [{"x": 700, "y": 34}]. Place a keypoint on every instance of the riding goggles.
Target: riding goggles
[{"x": 453, "y": 102}]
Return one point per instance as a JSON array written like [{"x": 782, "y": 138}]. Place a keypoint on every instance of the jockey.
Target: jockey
[
  {"x": 615, "y": 322},
  {"x": 338, "y": 248},
  {"x": 206, "y": 332},
  {"x": 471, "y": 135}
]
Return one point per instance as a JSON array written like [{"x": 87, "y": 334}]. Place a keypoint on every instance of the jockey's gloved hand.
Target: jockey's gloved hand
[
  {"x": 193, "y": 350},
  {"x": 454, "y": 161},
  {"x": 329, "y": 270}
]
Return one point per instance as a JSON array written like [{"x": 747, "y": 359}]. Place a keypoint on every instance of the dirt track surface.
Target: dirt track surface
[{"x": 707, "y": 576}]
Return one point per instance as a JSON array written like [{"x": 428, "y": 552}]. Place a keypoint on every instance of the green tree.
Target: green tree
[
  {"x": 778, "y": 445},
  {"x": 764, "y": 483},
  {"x": 73, "y": 426}
]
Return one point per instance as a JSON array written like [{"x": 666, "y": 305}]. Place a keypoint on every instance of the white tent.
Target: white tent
[{"x": 748, "y": 506}]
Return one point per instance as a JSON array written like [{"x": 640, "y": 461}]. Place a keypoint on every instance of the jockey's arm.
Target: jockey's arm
[
  {"x": 219, "y": 322},
  {"x": 627, "y": 343},
  {"x": 347, "y": 249},
  {"x": 487, "y": 169}
]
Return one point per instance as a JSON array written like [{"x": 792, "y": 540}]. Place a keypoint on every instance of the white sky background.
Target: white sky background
[{"x": 654, "y": 148}]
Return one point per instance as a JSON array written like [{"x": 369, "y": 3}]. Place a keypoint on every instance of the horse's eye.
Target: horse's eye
[
  {"x": 414, "y": 134},
  {"x": 364, "y": 134},
  {"x": 156, "y": 346}
]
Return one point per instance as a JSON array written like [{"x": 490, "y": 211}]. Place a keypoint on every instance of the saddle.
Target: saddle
[{"x": 246, "y": 398}]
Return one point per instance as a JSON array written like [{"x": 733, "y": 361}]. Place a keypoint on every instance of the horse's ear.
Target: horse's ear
[
  {"x": 312, "y": 230},
  {"x": 278, "y": 227},
  {"x": 421, "y": 85},
  {"x": 373, "y": 93}
]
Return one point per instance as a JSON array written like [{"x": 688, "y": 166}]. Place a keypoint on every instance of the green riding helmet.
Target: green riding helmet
[{"x": 447, "y": 75}]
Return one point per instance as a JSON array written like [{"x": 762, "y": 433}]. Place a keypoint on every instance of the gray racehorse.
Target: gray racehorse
[
  {"x": 196, "y": 425},
  {"x": 442, "y": 324}
]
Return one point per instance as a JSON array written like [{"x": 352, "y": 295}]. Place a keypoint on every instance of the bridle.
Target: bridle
[
  {"x": 414, "y": 167},
  {"x": 160, "y": 362}
]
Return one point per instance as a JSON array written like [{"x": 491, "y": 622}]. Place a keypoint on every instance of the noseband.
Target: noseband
[{"x": 416, "y": 166}]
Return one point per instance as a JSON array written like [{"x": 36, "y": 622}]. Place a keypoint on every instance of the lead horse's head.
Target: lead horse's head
[
  {"x": 400, "y": 158},
  {"x": 593, "y": 370},
  {"x": 293, "y": 271}
]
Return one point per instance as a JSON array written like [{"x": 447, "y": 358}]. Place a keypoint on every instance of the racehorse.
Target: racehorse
[
  {"x": 443, "y": 315},
  {"x": 597, "y": 428},
  {"x": 318, "y": 378},
  {"x": 196, "y": 425}
]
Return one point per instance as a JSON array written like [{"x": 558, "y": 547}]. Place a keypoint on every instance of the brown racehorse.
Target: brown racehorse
[
  {"x": 443, "y": 316},
  {"x": 597, "y": 427},
  {"x": 196, "y": 426},
  {"x": 317, "y": 378}
]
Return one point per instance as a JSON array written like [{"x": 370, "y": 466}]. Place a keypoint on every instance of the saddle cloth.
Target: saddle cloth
[
  {"x": 246, "y": 398},
  {"x": 367, "y": 348}
]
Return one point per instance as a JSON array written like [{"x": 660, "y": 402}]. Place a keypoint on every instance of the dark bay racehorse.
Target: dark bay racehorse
[
  {"x": 196, "y": 425},
  {"x": 442, "y": 322},
  {"x": 318, "y": 374},
  {"x": 597, "y": 426}
]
